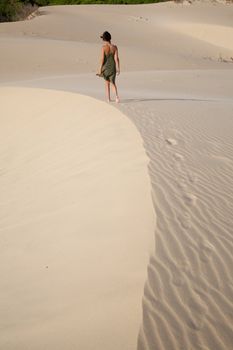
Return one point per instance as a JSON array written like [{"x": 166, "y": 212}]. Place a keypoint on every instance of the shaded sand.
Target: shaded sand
[
  {"x": 179, "y": 95},
  {"x": 76, "y": 223},
  {"x": 188, "y": 298}
]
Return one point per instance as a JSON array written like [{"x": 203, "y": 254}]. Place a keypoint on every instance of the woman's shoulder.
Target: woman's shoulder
[
  {"x": 114, "y": 46},
  {"x": 109, "y": 48}
]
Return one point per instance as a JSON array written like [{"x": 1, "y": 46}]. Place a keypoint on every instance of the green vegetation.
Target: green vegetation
[
  {"x": 13, "y": 10},
  {"x": 65, "y": 2},
  {"x": 9, "y": 9}
]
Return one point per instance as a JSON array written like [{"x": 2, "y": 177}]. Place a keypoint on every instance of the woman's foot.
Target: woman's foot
[{"x": 117, "y": 99}]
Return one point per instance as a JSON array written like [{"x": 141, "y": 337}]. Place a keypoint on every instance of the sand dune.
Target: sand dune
[
  {"x": 75, "y": 164},
  {"x": 73, "y": 177},
  {"x": 214, "y": 34},
  {"x": 55, "y": 43}
]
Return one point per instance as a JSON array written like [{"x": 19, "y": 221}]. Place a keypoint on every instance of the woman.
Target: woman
[{"x": 110, "y": 65}]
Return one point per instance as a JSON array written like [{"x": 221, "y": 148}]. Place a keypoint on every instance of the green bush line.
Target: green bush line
[
  {"x": 13, "y": 10},
  {"x": 73, "y": 2}
]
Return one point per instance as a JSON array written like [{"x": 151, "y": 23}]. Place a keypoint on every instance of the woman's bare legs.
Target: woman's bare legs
[
  {"x": 108, "y": 90},
  {"x": 116, "y": 92}
]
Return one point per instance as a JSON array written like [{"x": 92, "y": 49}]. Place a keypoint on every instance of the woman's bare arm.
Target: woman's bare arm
[{"x": 117, "y": 60}]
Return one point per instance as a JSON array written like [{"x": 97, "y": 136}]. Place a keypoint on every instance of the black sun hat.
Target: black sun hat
[{"x": 106, "y": 36}]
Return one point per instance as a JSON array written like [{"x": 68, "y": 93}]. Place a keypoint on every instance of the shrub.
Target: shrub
[{"x": 9, "y": 9}]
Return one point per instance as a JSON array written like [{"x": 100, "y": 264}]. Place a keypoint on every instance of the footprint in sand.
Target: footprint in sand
[
  {"x": 178, "y": 162},
  {"x": 178, "y": 157},
  {"x": 197, "y": 319},
  {"x": 185, "y": 220},
  {"x": 206, "y": 249},
  {"x": 171, "y": 142},
  {"x": 178, "y": 274},
  {"x": 177, "y": 279},
  {"x": 198, "y": 311},
  {"x": 182, "y": 183},
  {"x": 190, "y": 199},
  {"x": 140, "y": 18},
  {"x": 191, "y": 177}
]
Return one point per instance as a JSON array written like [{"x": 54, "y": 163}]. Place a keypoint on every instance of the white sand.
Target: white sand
[
  {"x": 76, "y": 222},
  {"x": 176, "y": 87}
]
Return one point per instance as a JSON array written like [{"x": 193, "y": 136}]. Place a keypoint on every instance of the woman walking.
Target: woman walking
[{"x": 110, "y": 65}]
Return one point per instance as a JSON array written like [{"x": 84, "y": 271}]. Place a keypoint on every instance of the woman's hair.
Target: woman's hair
[{"x": 106, "y": 36}]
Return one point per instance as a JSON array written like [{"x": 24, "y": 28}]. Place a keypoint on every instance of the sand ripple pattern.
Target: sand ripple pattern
[{"x": 188, "y": 295}]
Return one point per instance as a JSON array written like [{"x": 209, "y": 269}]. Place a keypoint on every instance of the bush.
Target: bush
[
  {"x": 42, "y": 2},
  {"x": 70, "y": 2},
  {"x": 13, "y": 10},
  {"x": 9, "y": 9},
  {"x": 36, "y": 2}
]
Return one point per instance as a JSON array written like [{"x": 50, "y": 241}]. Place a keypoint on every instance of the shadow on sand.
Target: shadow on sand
[{"x": 130, "y": 100}]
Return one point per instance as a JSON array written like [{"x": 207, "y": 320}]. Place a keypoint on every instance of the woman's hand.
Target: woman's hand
[{"x": 118, "y": 71}]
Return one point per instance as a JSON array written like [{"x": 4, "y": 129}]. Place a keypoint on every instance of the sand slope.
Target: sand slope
[
  {"x": 76, "y": 223},
  {"x": 188, "y": 297}
]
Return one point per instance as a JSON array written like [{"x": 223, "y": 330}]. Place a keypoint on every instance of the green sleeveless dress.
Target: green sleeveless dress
[{"x": 109, "y": 67}]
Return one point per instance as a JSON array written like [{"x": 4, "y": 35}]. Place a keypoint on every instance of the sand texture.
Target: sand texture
[
  {"x": 76, "y": 222},
  {"x": 117, "y": 219}
]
